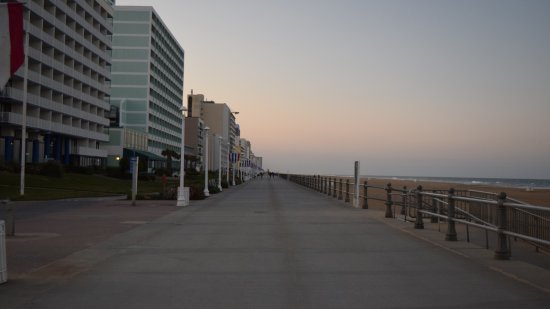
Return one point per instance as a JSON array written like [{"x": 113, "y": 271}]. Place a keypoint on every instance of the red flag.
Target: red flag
[{"x": 12, "y": 54}]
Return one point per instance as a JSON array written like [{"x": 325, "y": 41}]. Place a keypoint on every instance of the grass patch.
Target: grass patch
[{"x": 39, "y": 187}]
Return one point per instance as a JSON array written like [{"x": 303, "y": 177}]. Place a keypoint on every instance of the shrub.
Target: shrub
[
  {"x": 196, "y": 192},
  {"x": 213, "y": 189},
  {"x": 169, "y": 193},
  {"x": 12, "y": 167},
  {"x": 124, "y": 164},
  {"x": 33, "y": 168},
  {"x": 147, "y": 196},
  {"x": 114, "y": 172},
  {"x": 193, "y": 172},
  {"x": 52, "y": 169},
  {"x": 146, "y": 177},
  {"x": 162, "y": 171},
  {"x": 81, "y": 170}
]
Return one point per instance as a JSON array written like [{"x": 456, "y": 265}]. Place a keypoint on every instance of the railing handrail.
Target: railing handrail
[{"x": 497, "y": 212}]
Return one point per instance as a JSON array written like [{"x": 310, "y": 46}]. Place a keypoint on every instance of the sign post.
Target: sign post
[{"x": 134, "y": 164}]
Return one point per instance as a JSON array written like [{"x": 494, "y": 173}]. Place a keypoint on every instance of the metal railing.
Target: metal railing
[{"x": 491, "y": 212}]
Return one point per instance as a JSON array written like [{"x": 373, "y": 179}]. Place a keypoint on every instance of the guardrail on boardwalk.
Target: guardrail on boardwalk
[{"x": 490, "y": 212}]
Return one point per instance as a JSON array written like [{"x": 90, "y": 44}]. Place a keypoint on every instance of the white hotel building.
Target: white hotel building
[{"x": 69, "y": 61}]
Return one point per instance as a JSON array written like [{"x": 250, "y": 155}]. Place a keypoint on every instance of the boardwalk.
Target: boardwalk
[{"x": 272, "y": 244}]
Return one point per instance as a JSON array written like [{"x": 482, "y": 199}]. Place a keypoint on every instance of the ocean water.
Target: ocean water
[{"x": 499, "y": 182}]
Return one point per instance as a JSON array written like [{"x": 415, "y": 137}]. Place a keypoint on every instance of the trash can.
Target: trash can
[{"x": 3, "y": 258}]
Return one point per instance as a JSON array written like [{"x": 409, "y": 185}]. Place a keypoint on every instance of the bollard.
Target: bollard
[
  {"x": 3, "y": 257},
  {"x": 389, "y": 202},
  {"x": 334, "y": 187},
  {"x": 404, "y": 200},
  {"x": 451, "y": 232},
  {"x": 365, "y": 199},
  {"x": 10, "y": 218},
  {"x": 502, "y": 252},
  {"x": 347, "y": 200},
  {"x": 419, "y": 223},
  {"x": 340, "y": 191}
]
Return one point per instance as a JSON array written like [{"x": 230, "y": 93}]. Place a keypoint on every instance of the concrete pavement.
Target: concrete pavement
[{"x": 273, "y": 244}]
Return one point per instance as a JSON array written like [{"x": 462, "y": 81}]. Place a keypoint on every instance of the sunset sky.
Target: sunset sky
[{"x": 408, "y": 88}]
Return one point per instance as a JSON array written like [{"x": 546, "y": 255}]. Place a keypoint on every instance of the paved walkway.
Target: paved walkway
[{"x": 274, "y": 244}]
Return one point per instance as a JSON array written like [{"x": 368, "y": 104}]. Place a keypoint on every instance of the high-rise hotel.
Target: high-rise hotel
[
  {"x": 147, "y": 87},
  {"x": 69, "y": 62}
]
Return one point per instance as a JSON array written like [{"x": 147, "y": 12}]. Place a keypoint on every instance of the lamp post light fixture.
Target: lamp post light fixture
[
  {"x": 206, "y": 192},
  {"x": 183, "y": 194},
  {"x": 220, "y": 163}
]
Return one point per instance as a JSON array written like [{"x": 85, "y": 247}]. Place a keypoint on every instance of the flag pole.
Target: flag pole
[{"x": 24, "y": 112}]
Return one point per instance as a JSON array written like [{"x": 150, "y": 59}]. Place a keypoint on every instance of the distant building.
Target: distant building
[
  {"x": 68, "y": 85},
  {"x": 194, "y": 140},
  {"x": 250, "y": 164},
  {"x": 221, "y": 121},
  {"x": 147, "y": 86}
]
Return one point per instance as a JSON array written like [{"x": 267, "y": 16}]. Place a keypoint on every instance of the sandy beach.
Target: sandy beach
[{"x": 539, "y": 197}]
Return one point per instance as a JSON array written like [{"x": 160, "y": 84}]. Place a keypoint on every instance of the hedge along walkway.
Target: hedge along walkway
[{"x": 271, "y": 244}]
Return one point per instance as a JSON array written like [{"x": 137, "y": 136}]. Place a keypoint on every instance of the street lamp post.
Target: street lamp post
[
  {"x": 234, "y": 169},
  {"x": 220, "y": 163},
  {"x": 183, "y": 195},
  {"x": 206, "y": 192},
  {"x": 228, "y": 159},
  {"x": 233, "y": 163}
]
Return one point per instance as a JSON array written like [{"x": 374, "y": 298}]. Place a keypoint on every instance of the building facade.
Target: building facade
[
  {"x": 147, "y": 83},
  {"x": 194, "y": 134},
  {"x": 221, "y": 121},
  {"x": 68, "y": 85}
]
